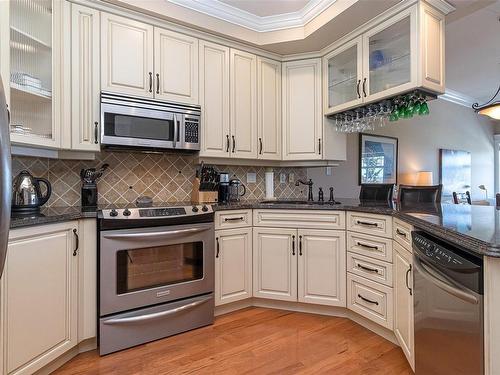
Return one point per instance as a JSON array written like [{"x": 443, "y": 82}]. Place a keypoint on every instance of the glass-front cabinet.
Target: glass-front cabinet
[
  {"x": 344, "y": 69},
  {"x": 33, "y": 53}
]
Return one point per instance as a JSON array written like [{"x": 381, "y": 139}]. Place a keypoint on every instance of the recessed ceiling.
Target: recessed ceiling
[{"x": 265, "y": 8}]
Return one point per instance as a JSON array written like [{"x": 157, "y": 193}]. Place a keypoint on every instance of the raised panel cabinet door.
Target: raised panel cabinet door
[
  {"x": 126, "y": 56},
  {"x": 214, "y": 99},
  {"x": 243, "y": 102},
  {"x": 403, "y": 302},
  {"x": 233, "y": 265},
  {"x": 176, "y": 66},
  {"x": 269, "y": 108},
  {"x": 39, "y": 297},
  {"x": 85, "y": 78},
  {"x": 275, "y": 254},
  {"x": 302, "y": 114},
  {"x": 322, "y": 267}
]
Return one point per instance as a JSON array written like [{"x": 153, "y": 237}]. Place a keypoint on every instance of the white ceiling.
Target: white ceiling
[
  {"x": 265, "y": 8},
  {"x": 473, "y": 51}
]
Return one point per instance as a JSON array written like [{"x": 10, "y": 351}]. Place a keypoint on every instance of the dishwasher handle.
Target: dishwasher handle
[{"x": 438, "y": 280}]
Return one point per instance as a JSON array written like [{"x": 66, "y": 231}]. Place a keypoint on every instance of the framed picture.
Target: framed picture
[{"x": 378, "y": 159}]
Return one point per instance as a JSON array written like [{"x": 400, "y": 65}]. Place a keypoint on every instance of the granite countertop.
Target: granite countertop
[{"x": 474, "y": 228}]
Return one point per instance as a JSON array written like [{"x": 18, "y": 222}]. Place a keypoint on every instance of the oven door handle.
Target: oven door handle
[
  {"x": 438, "y": 280},
  {"x": 154, "y": 316},
  {"x": 167, "y": 233}
]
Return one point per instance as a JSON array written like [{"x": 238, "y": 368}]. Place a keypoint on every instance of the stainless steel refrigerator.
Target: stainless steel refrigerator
[{"x": 5, "y": 177}]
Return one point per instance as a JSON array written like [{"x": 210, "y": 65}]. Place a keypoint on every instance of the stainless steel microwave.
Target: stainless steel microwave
[{"x": 135, "y": 122}]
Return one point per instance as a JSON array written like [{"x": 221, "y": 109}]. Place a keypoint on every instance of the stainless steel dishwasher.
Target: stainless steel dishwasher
[{"x": 448, "y": 308}]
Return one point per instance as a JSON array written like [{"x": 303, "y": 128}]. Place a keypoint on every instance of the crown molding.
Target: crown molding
[
  {"x": 457, "y": 98},
  {"x": 442, "y": 5},
  {"x": 253, "y": 22}
]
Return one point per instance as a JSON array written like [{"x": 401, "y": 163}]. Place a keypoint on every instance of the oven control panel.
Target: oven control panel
[{"x": 155, "y": 212}]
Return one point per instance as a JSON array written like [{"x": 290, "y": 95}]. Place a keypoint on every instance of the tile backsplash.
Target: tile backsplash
[{"x": 164, "y": 177}]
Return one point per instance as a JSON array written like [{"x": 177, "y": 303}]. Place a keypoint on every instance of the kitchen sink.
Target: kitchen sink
[{"x": 303, "y": 202}]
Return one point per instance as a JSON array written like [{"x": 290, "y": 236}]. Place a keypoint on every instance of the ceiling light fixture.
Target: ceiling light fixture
[{"x": 491, "y": 108}]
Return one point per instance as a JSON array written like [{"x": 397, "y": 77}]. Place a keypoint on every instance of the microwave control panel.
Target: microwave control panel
[{"x": 191, "y": 134}]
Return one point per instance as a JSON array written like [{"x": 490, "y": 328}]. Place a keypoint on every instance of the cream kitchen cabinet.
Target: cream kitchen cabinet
[
  {"x": 269, "y": 108},
  {"x": 398, "y": 55},
  {"x": 233, "y": 265},
  {"x": 275, "y": 263},
  {"x": 302, "y": 119},
  {"x": 139, "y": 59},
  {"x": 304, "y": 265},
  {"x": 39, "y": 297},
  {"x": 403, "y": 302},
  {"x": 85, "y": 78},
  {"x": 176, "y": 66},
  {"x": 322, "y": 267},
  {"x": 214, "y": 99},
  {"x": 243, "y": 104}
]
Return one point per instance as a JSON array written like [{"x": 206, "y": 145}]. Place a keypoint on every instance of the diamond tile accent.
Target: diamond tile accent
[{"x": 164, "y": 177}]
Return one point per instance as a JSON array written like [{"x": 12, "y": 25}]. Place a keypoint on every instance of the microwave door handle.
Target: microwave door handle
[{"x": 176, "y": 131}]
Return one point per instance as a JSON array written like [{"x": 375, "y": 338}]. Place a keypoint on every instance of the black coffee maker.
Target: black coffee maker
[
  {"x": 89, "y": 185},
  {"x": 223, "y": 188}
]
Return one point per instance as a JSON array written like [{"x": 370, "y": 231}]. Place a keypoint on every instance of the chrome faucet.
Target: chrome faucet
[{"x": 310, "y": 185}]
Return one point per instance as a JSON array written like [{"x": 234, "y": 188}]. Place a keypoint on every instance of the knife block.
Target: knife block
[{"x": 198, "y": 196}]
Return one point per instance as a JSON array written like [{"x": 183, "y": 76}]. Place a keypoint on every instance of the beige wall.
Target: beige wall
[{"x": 448, "y": 126}]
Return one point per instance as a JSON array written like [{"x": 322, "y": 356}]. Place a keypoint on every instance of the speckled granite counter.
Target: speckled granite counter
[{"x": 475, "y": 228}]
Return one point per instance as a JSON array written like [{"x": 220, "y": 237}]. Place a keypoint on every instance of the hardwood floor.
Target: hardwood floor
[{"x": 256, "y": 341}]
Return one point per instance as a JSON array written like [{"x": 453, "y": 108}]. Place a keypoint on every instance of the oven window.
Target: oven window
[
  {"x": 145, "y": 268},
  {"x": 118, "y": 125}
]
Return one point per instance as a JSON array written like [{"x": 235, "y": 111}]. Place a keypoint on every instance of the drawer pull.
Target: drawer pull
[
  {"x": 367, "y": 223},
  {"x": 367, "y": 268},
  {"x": 234, "y": 218},
  {"x": 400, "y": 233},
  {"x": 369, "y": 247},
  {"x": 368, "y": 300}
]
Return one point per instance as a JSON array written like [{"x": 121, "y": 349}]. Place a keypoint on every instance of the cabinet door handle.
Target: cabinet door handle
[
  {"x": 300, "y": 245},
  {"x": 234, "y": 143},
  {"x": 77, "y": 240},
  {"x": 407, "y": 283},
  {"x": 367, "y": 268},
  {"x": 367, "y": 223},
  {"x": 227, "y": 142},
  {"x": 399, "y": 232},
  {"x": 357, "y": 89},
  {"x": 368, "y": 300},
  {"x": 364, "y": 87},
  {"x": 370, "y": 247},
  {"x": 260, "y": 146},
  {"x": 218, "y": 247},
  {"x": 158, "y": 83},
  {"x": 319, "y": 146},
  {"x": 234, "y": 218},
  {"x": 293, "y": 245},
  {"x": 150, "y": 82},
  {"x": 96, "y": 132}
]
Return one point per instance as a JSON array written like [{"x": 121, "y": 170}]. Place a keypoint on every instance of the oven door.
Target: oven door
[
  {"x": 124, "y": 125},
  {"x": 148, "y": 266}
]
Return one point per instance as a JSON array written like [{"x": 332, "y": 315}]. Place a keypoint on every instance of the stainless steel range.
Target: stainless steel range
[{"x": 156, "y": 273}]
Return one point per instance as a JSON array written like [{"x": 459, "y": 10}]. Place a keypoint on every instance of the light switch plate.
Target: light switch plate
[
  {"x": 291, "y": 178},
  {"x": 251, "y": 177},
  {"x": 282, "y": 178}
]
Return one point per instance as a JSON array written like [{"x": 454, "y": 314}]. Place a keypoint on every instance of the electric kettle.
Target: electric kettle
[{"x": 27, "y": 194}]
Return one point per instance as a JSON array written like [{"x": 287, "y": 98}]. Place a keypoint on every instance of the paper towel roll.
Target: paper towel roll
[{"x": 269, "y": 184}]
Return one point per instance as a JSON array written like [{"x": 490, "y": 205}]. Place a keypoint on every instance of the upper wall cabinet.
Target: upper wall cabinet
[
  {"x": 302, "y": 120},
  {"x": 126, "y": 56},
  {"x": 139, "y": 59},
  {"x": 402, "y": 53},
  {"x": 31, "y": 67},
  {"x": 176, "y": 66}
]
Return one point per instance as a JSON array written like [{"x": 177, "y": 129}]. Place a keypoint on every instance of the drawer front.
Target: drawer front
[
  {"x": 379, "y": 225},
  {"x": 304, "y": 219},
  {"x": 372, "y": 300},
  {"x": 401, "y": 232},
  {"x": 370, "y": 246},
  {"x": 233, "y": 219},
  {"x": 372, "y": 269}
]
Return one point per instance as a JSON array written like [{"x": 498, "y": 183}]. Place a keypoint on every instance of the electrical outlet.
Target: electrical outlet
[
  {"x": 282, "y": 178},
  {"x": 328, "y": 171},
  {"x": 291, "y": 178},
  {"x": 251, "y": 177}
]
